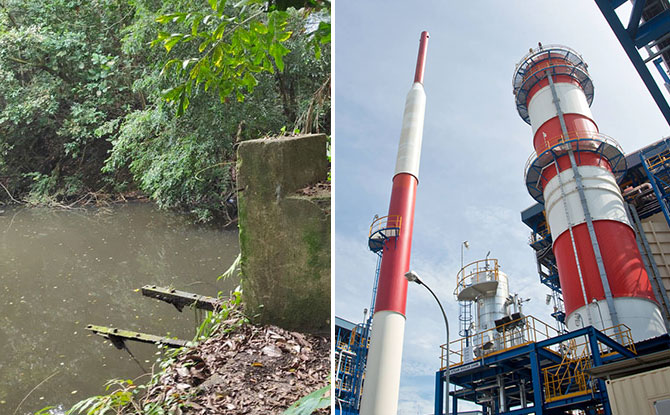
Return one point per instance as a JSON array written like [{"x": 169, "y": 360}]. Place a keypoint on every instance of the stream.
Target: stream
[{"x": 62, "y": 270}]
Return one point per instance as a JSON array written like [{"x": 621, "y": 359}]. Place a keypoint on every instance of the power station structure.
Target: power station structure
[
  {"x": 600, "y": 232},
  {"x": 574, "y": 172},
  {"x": 593, "y": 251}
]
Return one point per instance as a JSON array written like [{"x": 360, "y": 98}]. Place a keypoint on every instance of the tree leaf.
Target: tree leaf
[
  {"x": 217, "y": 56},
  {"x": 196, "y": 24},
  {"x": 204, "y": 44},
  {"x": 283, "y": 37},
  {"x": 172, "y": 40}
]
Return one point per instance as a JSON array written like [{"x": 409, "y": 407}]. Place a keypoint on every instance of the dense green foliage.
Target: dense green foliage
[{"x": 93, "y": 92}]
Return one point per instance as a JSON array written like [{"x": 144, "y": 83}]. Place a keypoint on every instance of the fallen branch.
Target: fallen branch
[{"x": 9, "y": 194}]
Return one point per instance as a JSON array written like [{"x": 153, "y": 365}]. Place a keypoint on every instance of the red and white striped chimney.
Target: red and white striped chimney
[
  {"x": 382, "y": 373},
  {"x": 574, "y": 172}
]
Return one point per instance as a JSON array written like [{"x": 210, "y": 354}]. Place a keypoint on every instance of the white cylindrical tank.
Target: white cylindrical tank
[
  {"x": 491, "y": 306},
  {"x": 483, "y": 283}
]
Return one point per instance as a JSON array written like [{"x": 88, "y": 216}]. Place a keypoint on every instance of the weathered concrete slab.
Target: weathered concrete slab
[
  {"x": 285, "y": 234},
  {"x": 181, "y": 299},
  {"x": 118, "y": 336}
]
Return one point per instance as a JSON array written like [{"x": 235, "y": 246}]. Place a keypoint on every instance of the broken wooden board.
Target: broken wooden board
[
  {"x": 181, "y": 299},
  {"x": 118, "y": 336}
]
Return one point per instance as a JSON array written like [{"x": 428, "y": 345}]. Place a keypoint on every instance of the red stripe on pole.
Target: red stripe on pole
[
  {"x": 549, "y": 133},
  {"x": 621, "y": 257},
  {"x": 392, "y": 287},
  {"x": 421, "y": 59}
]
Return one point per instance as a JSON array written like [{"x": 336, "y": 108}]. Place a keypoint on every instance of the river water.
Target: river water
[{"x": 62, "y": 270}]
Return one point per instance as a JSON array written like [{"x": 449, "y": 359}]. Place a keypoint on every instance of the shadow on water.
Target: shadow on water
[{"x": 62, "y": 270}]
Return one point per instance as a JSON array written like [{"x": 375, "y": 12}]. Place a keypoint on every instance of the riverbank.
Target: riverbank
[
  {"x": 225, "y": 216},
  {"x": 236, "y": 368}
]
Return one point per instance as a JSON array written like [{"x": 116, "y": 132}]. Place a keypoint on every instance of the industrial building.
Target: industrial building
[{"x": 601, "y": 235}]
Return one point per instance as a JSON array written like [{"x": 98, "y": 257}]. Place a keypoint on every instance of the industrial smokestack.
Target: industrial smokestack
[
  {"x": 382, "y": 375},
  {"x": 574, "y": 174}
]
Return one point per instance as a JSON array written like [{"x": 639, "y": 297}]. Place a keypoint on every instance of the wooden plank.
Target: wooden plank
[
  {"x": 181, "y": 299},
  {"x": 118, "y": 336}
]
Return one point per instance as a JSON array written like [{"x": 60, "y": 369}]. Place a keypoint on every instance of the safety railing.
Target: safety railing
[
  {"x": 580, "y": 140},
  {"x": 475, "y": 273},
  {"x": 359, "y": 338},
  {"x": 508, "y": 336},
  {"x": 558, "y": 52},
  {"x": 569, "y": 378},
  {"x": 658, "y": 159},
  {"x": 392, "y": 222},
  {"x": 539, "y": 235},
  {"x": 548, "y": 63},
  {"x": 620, "y": 334}
]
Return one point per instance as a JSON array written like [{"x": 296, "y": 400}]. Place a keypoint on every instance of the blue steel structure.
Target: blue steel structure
[
  {"x": 656, "y": 162},
  {"x": 648, "y": 28},
  {"x": 350, "y": 355},
  {"x": 522, "y": 374},
  {"x": 351, "y": 347}
]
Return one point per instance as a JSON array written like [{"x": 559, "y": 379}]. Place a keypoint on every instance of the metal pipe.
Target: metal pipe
[
  {"x": 501, "y": 393},
  {"x": 421, "y": 58}
]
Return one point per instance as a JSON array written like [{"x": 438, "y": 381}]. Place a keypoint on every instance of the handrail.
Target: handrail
[
  {"x": 558, "y": 378},
  {"x": 657, "y": 159},
  {"x": 546, "y": 48},
  {"x": 573, "y": 136},
  {"x": 507, "y": 336},
  {"x": 475, "y": 272},
  {"x": 385, "y": 222}
]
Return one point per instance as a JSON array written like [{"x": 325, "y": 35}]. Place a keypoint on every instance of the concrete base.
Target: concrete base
[{"x": 284, "y": 233}]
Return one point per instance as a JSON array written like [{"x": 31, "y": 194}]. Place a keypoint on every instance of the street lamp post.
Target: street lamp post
[{"x": 412, "y": 276}]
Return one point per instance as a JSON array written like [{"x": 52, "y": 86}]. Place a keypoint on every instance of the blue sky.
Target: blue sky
[{"x": 474, "y": 149}]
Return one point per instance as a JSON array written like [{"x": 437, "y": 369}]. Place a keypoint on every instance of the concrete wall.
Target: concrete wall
[{"x": 284, "y": 233}]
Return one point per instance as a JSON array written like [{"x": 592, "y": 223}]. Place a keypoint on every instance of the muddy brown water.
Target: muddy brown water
[{"x": 62, "y": 270}]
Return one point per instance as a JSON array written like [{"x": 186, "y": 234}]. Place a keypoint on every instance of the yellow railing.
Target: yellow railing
[
  {"x": 385, "y": 222},
  {"x": 476, "y": 272},
  {"x": 577, "y": 138},
  {"x": 507, "y": 336},
  {"x": 569, "y": 377},
  {"x": 357, "y": 338},
  {"x": 658, "y": 159},
  {"x": 622, "y": 335}
]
